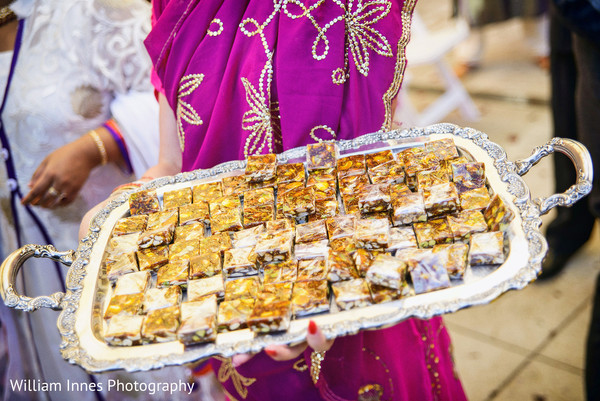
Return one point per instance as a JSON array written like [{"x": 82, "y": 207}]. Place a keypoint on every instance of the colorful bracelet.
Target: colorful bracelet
[
  {"x": 112, "y": 127},
  {"x": 100, "y": 145},
  {"x": 126, "y": 187}
]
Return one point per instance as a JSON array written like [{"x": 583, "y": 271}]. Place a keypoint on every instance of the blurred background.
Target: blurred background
[{"x": 528, "y": 344}]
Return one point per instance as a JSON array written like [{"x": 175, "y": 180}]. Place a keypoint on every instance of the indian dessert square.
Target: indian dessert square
[
  {"x": 216, "y": 243},
  {"x": 258, "y": 215},
  {"x": 270, "y": 316},
  {"x": 207, "y": 192},
  {"x": 144, "y": 202},
  {"x": 408, "y": 208},
  {"x": 261, "y": 167},
  {"x": 160, "y": 325},
  {"x": 467, "y": 176},
  {"x": 234, "y": 185},
  {"x": 343, "y": 244},
  {"x": 340, "y": 226},
  {"x": 429, "y": 274},
  {"x": 247, "y": 237},
  {"x": 273, "y": 248},
  {"x": 372, "y": 233},
  {"x": 321, "y": 155},
  {"x": 312, "y": 250},
  {"x": 183, "y": 249},
  {"x": 429, "y": 178},
  {"x": 126, "y": 304},
  {"x": 351, "y": 184},
  {"x": 227, "y": 220},
  {"x": 198, "y": 321},
  {"x": 351, "y": 294},
  {"x": 194, "y": 212},
  {"x": 351, "y": 165},
  {"x": 233, "y": 315},
  {"x": 311, "y": 231},
  {"x": 382, "y": 157},
  {"x": 464, "y": 224},
  {"x": 130, "y": 224},
  {"x": 299, "y": 202},
  {"x": 173, "y": 273},
  {"x": 283, "y": 272},
  {"x": 163, "y": 219},
  {"x": 321, "y": 175},
  {"x": 324, "y": 209},
  {"x": 440, "y": 199},
  {"x": 239, "y": 262},
  {"x": 432, "y": 232},
  {"x": 177, "y": 197},
  {"x": 190, "y": 231},
  {"x": 340, "y": 266},
  {"x": 374, "y": 198},
  {"x": 246, "y": 287},
  {"x": 388, "y": 173},
  {"x": 497, "y": 215},
  {"x": 124, "y": 330},
  {"x": 122, "y": 244},
  {"x": 205, "y": 264},
  {"x": 486, "y": 248},
  {"x": 363, "y": 259},
  {"x": 381, "y": 294},
  {"x": 290, "y": 172},
  {"x": 454, "y": 258},
  {"x": 132, "y": 283},
  {"x": 200, "y": 288},
  {"x": 478, "y": 198},
  {"x": 120, "y": 265},
  {"x": 158, "y": 298},
  {"x": 444, "y": 148},
  {"x": 312, "y": 269},
  {"x": 387, "y": 271},
  {"x": 275, "y": 292},
  {"x": 310, "y": 297}
]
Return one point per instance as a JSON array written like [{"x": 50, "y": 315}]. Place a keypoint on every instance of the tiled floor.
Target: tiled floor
[{"x": 528, "y": 344}]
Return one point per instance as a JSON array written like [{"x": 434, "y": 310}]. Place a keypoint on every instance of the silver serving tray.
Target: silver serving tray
[{"x": 81, "y": 325}]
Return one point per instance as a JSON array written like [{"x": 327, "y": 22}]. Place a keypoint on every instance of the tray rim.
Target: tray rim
[{"x": 73, "y": 329}]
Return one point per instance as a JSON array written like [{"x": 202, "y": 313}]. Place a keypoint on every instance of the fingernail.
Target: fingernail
[
  {"x": 272, "y": 353},
  {"x": 312, "y": 327}
]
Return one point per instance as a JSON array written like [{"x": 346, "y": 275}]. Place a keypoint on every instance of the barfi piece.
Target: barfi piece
[
  {"x": 398, "y": 189},
  {"x": 190, "y": 231},
  {"x": 198, "y": 321},
  {"x": 247, "y": 237},
  {"x": 282, "y": 190},
  {"x": 219, "y": 242},
  {"x": 275, "y": 292},
  {"x": 497, "y": 215},
  {"x": 120, "y": 265},
  {"x": 324, "y": 209},
  {"x": 290, "y": 172},
  {"x": 258, "y": 215},
  {"x": 350, "y": 294},
  {"x": 183, "y": 250},
  {"x": 372, "y": 233},
  {"x": 343, "y": 244},
  {"x": 340, "y": 266},
  {"x": 177, "y": 197},
  {"x": 312, "y": 269},
  {"x": 198, "y": 289},
  {"x": 415, "y": 162},
  {"x": 408, "y": 208},
  {"x": 309, "y": 298},
  {"x": 454, "y": 258},
  {"x": 224, "y": 204},
  {"x": 409, "y": 153},
  {"x": 247, "y": 287},
  {"x": 444, "y": 149},
  {"x": 477, "y": 199},
  {"x": 160, "y": 229},
  {"x": 275, "y": 247},
  {"x": 207, "y": 192},
  {"x": 440, "y": 199},
  {"x": 261, "y": 167},
  {"x": 312, "y": 250},
  {"x": 205, "y": 265},
  {"x": 351, "y": 165},
  {"x": 426, "y": 179},
  {"x": 161, "y": 325},
  {"x": 158, "y": 298},
  {"x": 153, "y": 258},
  {"x": 130, "y": 225},
  {"x": 486, "y": 248},
  {"x": 374, "y": 198},
  {"x": 299, "y": 202},
  {"x": 144, "y": 202},
  {"x": 467, "y": 176},
  {"x": 321, "y": 155},
  {"x": 363, "y": 260},
  {"x": 378, "y": 158},
  {"x": 340, "y": 226},
  {"x": 350, "y": 202},
  {"x": 321, "y": 175},
  {"x": 272, "y": 183},
  {"x": 411, "y": 256},
  {"x": 401, "y": 238},
  {"x": 387, "y": 173},
  {"x": 279, "y": 225},
  {"x": 464, "y": 224},
  {"x": 284, "y": 272},
  {"x": 324, "y": 190},
  {"x": 194, "y": 212},
  {"x": 259, "y": 197},
  {"x": 233, "y": 315},
  {"x": 239, "y": 262},
  {"x": 162, "y": 219},
  {"x": 124, "y": 330},
  {"x": 269, "y": 317},
  {"x": 312, "y": 231},
  {"x": 173, "y": 273},
  {"x": 350, "y": 185},
  {"x": 429, "y": 274},
  {"x": 122, "y": 244},
  {"x": 227, "y": 220},
  {"x": 433, "y": 232},
  {"x": 126, "y": 304},
  {"x": 381, "y": 294},
  {"x": 234, "y": 185},
  {"x": 387, "y": 271},
  {"x": 132, "y": 283},
  {"x": 447, "y": 164}
]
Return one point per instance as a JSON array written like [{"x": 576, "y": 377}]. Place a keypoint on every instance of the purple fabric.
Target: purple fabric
[{"x": 215, "y": 77}]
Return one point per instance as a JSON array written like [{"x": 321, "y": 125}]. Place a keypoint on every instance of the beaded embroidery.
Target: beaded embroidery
[{"x": 185, "y": 112}]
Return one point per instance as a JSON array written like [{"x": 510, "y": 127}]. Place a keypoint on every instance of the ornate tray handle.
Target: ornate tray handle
[
  {"x": 10, "y": 268},
  {"x": 582, "y": 160}
]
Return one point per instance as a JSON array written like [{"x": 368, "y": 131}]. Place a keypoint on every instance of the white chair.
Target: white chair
[{"x": 430, "y": 48}]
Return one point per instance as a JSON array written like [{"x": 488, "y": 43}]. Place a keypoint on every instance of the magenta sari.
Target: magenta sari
[{"x": 259, "y": 76}]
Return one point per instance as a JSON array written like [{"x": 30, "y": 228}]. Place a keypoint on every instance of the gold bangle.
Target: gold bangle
[
  {"x": 316, "y": 358},
  {"x": 100, "y": 146}
]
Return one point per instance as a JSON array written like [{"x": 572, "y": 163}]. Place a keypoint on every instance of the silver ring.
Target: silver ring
[{"x": 52, "y": 191}]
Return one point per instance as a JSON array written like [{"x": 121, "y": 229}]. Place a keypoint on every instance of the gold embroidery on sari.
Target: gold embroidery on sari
[
  {"x": 300, "y": 365},
  {"x": 431, "y": 359},
  {"x": 185, "y": 111},
  {"x": 211, "y": 28},
  {"x": 325, "y": 128},
  {"x": 227, "y": 371},
  {"x": 392, "y": 92},
  {"x": 374, "y": 391}
]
